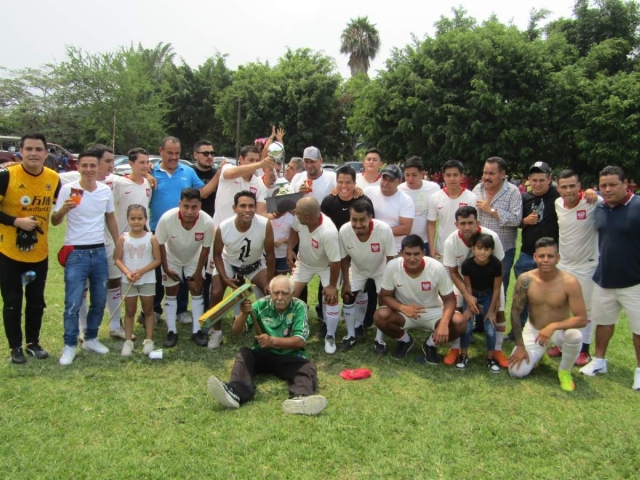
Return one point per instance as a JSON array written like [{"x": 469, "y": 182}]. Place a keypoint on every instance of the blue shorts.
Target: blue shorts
[{"x": 281, "y": 265}]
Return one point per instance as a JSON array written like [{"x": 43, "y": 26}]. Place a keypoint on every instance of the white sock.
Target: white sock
[
  {"x": 404, "y": 338},
  {"x": 331, "y": 317},
  {"x": 454, "y": 343},
  {"x": 362, "y": 299},
  {"x": 500, "y": 335},
  {"x": 82, "y": 313},
  {"x": 587, "y": 332},
  {"x": 431, "y": 343},
  {"x": 114, "y": 295},
  {"x": 571, "y": 346},
  {"x": 170, "y": 313},
  {"x": 197, "y": 309},
  {"x": 379, "y": 336},
  {"x": 348, "y": 312}
]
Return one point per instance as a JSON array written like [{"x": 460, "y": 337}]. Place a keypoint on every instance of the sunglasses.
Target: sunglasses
[{"x": 207, "y": 154}]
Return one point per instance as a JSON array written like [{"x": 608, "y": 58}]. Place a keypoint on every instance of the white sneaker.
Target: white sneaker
[
  {"x": 223, "y": 393},
  {"x": 595, "y": 366},
  {"x": 636, "y": 379},
  {"x": 148, "y": 346},
  {"x": 94, "y": 345},
  {"x": 68, "y": 354},
  {"x": 127, "y": 348},
  {"x": 330, "y": 344},
  {"x": 216, "y": 339},
  {"x": 311, "y": 405},
  {"x": 120, "y": 333},
  {"x": 185, "y": 317}
]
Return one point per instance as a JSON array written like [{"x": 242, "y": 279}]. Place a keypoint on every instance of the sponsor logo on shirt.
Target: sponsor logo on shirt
[
  {"x": 581, "y": 214},
  {"x": 426, "y": 286},
  {"x": 315, "y": 243},
  {"x": 47, "y": 187},
  {"x": 462, "y": 205},
  {"x": 375, "y": 247},
  {"x": 199, "y": 236},
  {"x": 127, "y": 192},
  {"x": 253, "y": 190}
]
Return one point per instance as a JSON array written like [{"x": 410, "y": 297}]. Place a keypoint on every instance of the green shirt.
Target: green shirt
[{"x": 291, "y": 323}]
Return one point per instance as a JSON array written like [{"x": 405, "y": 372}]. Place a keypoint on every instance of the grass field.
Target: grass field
[{"x": 111, "y": 417}]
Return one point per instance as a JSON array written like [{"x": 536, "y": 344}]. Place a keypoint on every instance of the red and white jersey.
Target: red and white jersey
[
  {"x": 424, "y": 290},
  {"x": 243, "y": 248},
  {"x": 321, "y": 186},
  {"x": 420, "y": 197},
  {"x": 390, "y": 209},
  {"x": 127, "y": 192},
  {"x": 227, "y": 188},
  {"x": 578, "y": 235},
  {"x": 443, "y": 209},
  {"x": 281, "y": 228},
  {"x": 362, "y": 183},
  {"x": 321, "y": 247},
  {"x": 456, "y": 251},
  {"x": 183, "y": 246},
  {"x": 368, "y": 258}
]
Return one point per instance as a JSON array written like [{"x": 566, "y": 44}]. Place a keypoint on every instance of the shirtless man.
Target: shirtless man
[{"x": 552, "y": 297}]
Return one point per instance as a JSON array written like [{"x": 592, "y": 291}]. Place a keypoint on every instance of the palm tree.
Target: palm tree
[{"x": 361, "y": 41}]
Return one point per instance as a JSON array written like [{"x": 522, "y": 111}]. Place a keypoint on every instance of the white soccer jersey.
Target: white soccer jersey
[
  {"x": 578, "y": 235},
  {"x": 390, "y": 209},
  {"x": 127, "y": 192},
  {"x": 281, "y": 228},
  {"x": 424, "y": 290},
  {"x": 227, "y": 188},
  {"x": 321, "y": 186},
  {"x": 456, "y": 251},
  {"x": 319, "y": 248},
  {"x": 420, "y": 197},
  {"x": 368, "y": 258},
  {"x": 362, "y": 183},
  {"x": 443, "y": 209},
  {"x": 183, "y": 246},
  {"x": 243, "y": 248}
]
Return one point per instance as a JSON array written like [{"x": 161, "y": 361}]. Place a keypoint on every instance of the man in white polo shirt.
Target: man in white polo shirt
[
  {"x": 318, "y": 254},
  {"x": 371, "y": 176},
  {"x": 185, "y": 235},
  {"x": 314, "y": 180}
]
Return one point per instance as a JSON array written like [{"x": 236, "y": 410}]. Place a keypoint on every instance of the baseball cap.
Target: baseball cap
[
  {"x": 540, "y": 167},
  {"x": 393, "y": 171},
  {"x": 312, "y": 153}
]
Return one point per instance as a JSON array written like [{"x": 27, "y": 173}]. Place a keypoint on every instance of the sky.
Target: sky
[{"x": 245, "y": 30}]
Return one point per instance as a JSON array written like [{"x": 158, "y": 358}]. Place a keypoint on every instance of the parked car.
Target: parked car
[
  {"x": 218, "y": 160},
  {"x": 331, "y": 166},
  {"x": 125, "y": 169},
  {"x": 7, "y": 142},
  {"x": 357, "y": 166}
]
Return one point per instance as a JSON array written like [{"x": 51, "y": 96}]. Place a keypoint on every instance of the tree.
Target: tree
[{"x": 361, "y": 41}]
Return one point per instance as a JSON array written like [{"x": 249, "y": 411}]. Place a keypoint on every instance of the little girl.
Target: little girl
[{"x": 137, "y": 254}]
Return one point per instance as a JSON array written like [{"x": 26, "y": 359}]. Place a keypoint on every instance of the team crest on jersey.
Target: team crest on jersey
[
  {"x": 462, "y": 205},
  {"x": 164, "y": 277},
  {"x": 47, "y": 187},
  {"x": 109, "y": 184},
  {"x": 314, "y": 243},
  {"x": 375, "y": 247},
  {"x": 148, "y": 192},
  {"x": 285, "y": 333},
  {"x": 581, "y": 214},
  {"x": 26, "y": 200},
  {"x": 199, "y": 236},
  {"x": 426, "y": 286},
  {"x": 253, "y": 190}
]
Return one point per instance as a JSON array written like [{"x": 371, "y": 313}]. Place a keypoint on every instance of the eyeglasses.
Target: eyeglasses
[{"x": 207, "y": 154}]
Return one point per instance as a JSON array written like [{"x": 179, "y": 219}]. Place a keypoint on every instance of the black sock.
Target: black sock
[{"x": 585, "y": 348}]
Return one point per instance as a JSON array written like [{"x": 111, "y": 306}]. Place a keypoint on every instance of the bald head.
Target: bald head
[{"x": 308, "y": 211}]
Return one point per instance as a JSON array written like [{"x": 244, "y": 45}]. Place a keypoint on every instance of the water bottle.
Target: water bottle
[{"x": 28, "y": 277}]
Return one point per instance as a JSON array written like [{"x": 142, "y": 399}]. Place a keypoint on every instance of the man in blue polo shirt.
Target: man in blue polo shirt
[{"x": 617, "y": 277}]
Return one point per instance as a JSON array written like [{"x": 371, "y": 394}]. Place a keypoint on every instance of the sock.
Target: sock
[
  {"x": 587, "y": 332},
  {"x": 379, "y": 336},
  {"x": 404, "y": 338},
  {"x": 500, "y": 335},
  {"x": 454, "y": 344},
  {"x": 170, "y": 313},
  {"x": 331, "y": 317},
  {"x": 348, "y": 312},
  {"x": 585, "y": 348},
  {"x": 571, "y": 344},
  {"x": 114, "y": 295},
  {"x": 82, "y": 313},
  {"x": 431, "y": 343},
  {"x": 361, "y": 307},
  {"x": 197, "y": 309}
]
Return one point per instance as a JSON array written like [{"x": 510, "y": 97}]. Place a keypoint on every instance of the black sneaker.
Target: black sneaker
[
  {"x": 430, "y": 354},
  {"x": 347, "y": 343},
  {"x": 223, "y": 393},
  {"x": 493, "y": 365},
  {"x": 361, "y": 334},
  {"x": 200, "y": 338},
  {"x": 35, "y": 350},
  {"x": 379, "y": 348},
  {"x": 171, "y": 341},
  {"x": 403, "y": 348},
  {"x": 462, "y": 362},
  {"x": 322, "y": 332},
  {"x": 17, "y": 356}
]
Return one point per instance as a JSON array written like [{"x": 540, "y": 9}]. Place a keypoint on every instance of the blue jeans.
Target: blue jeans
[
  {"x": 524, "y": 264},
  {"x": 83, "y": 265},
  {"x": 483, "y": 299},
  {"x": 507, "y": 265}
]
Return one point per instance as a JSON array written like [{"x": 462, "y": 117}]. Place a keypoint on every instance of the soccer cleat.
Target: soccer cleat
[
  {"x": 120, "y": 333},
  {"x": 462, "y": 362},
  {"x": 223, "y": 393},
  {"x": 451, "y": 356},
  {"x": 94, "y": 346},
  {"x": 171, "y": 341},
  {"x": 185, "y": 318},
  {"x": 430, "y": 354},
  {"x": 17, "y": 356},
  {"x": 554, "y": 352},
  {"x": 403, "y": 348},
  {"x": 304, "y": 405},
  {"x": 68, "y": 354},
  {"x": 361, "y": 334},
  {"x": 566, "y": 381},
  {"x": 493, "y": 365},
  {"x": 380, "y": 348},
  {"x": 501, "y": 358},
  {"x": 636, "y": 380},
  {"x": 147, "y": 346},
  {"x": 347, "y": 343},
  {"x": 127, "y": 348},
  {"x": 35, "y": 350},
  {"x": 583, "y": 359},
  {"x": 200, "y": 338},
  {"x": 594, "y": 367},
  {"x": 322, "y": 333},
  {"x": 330, "y": 344}
]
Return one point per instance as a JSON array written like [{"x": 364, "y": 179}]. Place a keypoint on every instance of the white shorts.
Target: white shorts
[
  {"x": 358, "y": 282},
  {"x": 182, "y": 271},
  {"x": 114, "y": 271},
  {"x": 302, "y": 273},
  {"x": 609, "y": 302},
  {"x": 232, "y": 274},
  {"x": 584, "y": 277},
  {"x": 426, "y": 320},
  {"x": 533, "y": 348}
]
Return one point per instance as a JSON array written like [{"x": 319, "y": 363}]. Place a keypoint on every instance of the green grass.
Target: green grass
[{"x": 109, "y": 417}]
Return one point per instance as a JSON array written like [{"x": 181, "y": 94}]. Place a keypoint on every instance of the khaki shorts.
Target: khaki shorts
[
  {"x": 608, "y": 304},
  {"x": 143, "y": 290}
]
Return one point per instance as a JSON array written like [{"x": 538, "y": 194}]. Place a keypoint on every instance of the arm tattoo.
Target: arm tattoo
[{"x": 518, "y": 304}]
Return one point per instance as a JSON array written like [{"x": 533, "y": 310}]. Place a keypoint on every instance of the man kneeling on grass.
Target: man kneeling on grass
[
  {"x": 552, "y": 296},
  {"x": 278, "y": 350}
]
